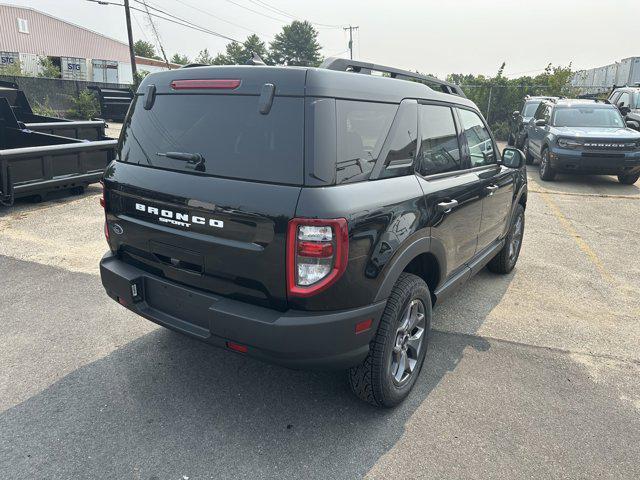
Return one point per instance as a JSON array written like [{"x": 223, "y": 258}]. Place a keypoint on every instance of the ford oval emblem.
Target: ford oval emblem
[{"x": 117, "y": 229}]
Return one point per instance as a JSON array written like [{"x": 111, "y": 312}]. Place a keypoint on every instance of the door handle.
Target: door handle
[
  {"x": 446, "y": 207},
  {"x": 492, "y": 189}
]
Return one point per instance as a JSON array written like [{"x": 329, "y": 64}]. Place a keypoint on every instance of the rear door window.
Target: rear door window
[
  {"x": 439, "y": 149},
  {"x": 228, "y": 131},
  {"x": 481, "y": 149},
  {"x": 362, "y": 128}
]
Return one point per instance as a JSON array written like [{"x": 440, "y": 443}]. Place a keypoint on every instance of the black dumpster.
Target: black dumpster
[
  {"x": 85, "y": 130},
  {"x": 35, "y": 163},
  {"x": 114, "y": 102}
]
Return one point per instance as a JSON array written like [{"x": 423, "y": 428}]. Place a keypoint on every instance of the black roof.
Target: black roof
[{"x": 301, "y": 81}]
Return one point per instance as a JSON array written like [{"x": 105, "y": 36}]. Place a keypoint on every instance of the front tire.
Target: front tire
[
  {"x": 506, "y": 258},
  {"x": 397, "y": 351},
  {"x": 546, "y": 172},
  {"x": 628, "y": 179}
]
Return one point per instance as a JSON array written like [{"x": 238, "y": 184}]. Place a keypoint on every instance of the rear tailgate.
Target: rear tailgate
[{"x": 219, "y": 226}]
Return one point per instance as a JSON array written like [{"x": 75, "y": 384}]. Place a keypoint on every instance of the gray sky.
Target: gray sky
[{"x": 432, "y": 36}]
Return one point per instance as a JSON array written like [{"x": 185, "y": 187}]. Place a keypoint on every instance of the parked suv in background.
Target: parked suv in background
[
  {"x": 583, "y": 136},
  {"x": 627, "y": 99},
  {"x": 520, "y": 120},
  {"x": 307, "y": 216}
]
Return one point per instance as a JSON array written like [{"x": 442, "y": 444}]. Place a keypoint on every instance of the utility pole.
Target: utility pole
[
  {"x": 132, "y": 54},
  {"x": 351, "y": 29}
]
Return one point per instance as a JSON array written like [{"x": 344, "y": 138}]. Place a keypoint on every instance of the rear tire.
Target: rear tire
[
  {"x": 628, "y": 179},
  {"x": 506, "y": 259},
  {"x": 527, "y": 152},
  {"x": 546, "y": 172},
  {"x": 384, "y": 379}
]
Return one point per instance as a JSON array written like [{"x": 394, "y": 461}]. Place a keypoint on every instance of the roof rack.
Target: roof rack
[{"x": 347, "y": 65}]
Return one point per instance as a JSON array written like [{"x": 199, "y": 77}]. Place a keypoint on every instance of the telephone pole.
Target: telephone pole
[
  {"x": 351, "y": 29},
  {"x": 132, "y": 54}
]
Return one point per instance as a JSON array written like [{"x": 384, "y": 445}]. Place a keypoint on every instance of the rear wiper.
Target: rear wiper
[{"x": 195, "y": 159}]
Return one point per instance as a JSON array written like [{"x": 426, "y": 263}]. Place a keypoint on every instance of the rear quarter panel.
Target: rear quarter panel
[{"x": 383, "y": 216}]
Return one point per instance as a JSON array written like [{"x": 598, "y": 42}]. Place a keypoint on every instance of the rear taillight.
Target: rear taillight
[
  {"x": 203, "y": 84},
  {"x": 317, "y": 254}
]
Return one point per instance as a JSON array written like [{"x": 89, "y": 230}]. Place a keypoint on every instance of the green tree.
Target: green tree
[
  {"x": 140, "y": 74},
  {"x": 297, "y": 44},
  {"x": 179, "y": 59},
  {"x": 204, "y": 57},
  {"x": 238, "y": 53},
  {"x": 145, "y": 49},
  {"x": 498, "y": 97},
  {"x": 47, "y": 68}
]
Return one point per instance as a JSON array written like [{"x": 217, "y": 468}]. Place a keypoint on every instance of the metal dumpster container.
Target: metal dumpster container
[
  {"x": 85, "y": 130},
  {"x": 34, "y": 163},
  {"x": 114, "y": 102}
]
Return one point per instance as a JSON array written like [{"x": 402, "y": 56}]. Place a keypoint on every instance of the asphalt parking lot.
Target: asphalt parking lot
[{"x": 532, "y": 375}]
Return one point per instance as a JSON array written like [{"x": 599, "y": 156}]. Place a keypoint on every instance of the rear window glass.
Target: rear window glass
[
  {"x": 361, "y": 130},
  {"x": 228, "y": 131}
]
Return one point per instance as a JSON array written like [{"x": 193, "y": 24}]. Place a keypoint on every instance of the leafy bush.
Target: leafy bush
[
  {"x": 48, "y": 69},
  {"x": 85, "y": 106},
  {"x": 500, "y": 130},
  {"x": 44, "y": 108}
]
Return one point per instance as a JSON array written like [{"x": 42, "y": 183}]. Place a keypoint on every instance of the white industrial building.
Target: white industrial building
[
  {"x": 81, "y": 54},
  {"x": 624, "y": 72}
]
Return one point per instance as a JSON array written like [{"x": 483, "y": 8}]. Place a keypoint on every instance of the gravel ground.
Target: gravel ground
[{"x": 531, "y": 375}]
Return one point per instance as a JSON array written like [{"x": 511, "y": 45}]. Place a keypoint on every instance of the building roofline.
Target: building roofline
[{"x": 20, "y": 7}]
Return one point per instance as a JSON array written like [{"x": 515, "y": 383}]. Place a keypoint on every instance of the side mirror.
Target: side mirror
[
  {"x": 540, "y": 122},
  {"x": 633, "y": 124},
  {"x": 624, "y": 110},
  {"x": 512, "y": 158},
  {"x": 515, "y": 114}
]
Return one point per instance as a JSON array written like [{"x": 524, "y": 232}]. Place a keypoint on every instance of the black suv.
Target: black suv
[
  {"x": 307, "y": 216},
  {"x": 627, "y": 99},
  {"x": 520, "y": 120}
]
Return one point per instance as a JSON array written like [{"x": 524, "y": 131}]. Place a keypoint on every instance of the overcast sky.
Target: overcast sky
[{"x": 432, "y": 36}]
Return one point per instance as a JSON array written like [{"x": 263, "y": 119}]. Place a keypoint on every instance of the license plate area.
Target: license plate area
[{"x": 178, "y": 302}]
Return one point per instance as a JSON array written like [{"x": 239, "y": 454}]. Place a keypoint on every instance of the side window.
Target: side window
[
  {"x": 539, "y": 111},
  {"x": 614, "y": 98},
  {"x": 361, "y": 130},
  {"x": 400, "y": 149},
  {"x": 481, "y": 150},
  {"x": 439, "y": 149},
  {"x": 624, "y": 100},
  {"x": 547, "y": 113}
]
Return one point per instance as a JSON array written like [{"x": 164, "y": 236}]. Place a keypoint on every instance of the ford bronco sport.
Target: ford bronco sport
[
  {"x": 583, "y": 136},
  {"x": 307, "y": 216}
]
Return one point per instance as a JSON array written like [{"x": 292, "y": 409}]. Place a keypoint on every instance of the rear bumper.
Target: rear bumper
[
  {"x": 566, "y": 161},
  {"x": 293, "y": 338}
]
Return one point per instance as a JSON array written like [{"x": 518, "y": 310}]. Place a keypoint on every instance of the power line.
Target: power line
[
  {"x": 178, "y": 21},
  {"x": 206, "y": 12},
  {"x": 291, "y": 16}
]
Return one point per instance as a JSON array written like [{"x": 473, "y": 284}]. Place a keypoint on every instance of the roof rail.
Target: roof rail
[{"x": 347, "y": 65}]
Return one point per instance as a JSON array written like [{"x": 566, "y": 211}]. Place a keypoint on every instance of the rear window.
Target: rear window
[{"x": 228, "y": 131}]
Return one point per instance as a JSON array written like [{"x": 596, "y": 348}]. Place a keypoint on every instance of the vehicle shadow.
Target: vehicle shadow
[
  {"x": 164, "y": 406},
  {"x": 32, "y": 203},
  {"x": 582, "y": 184}
]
